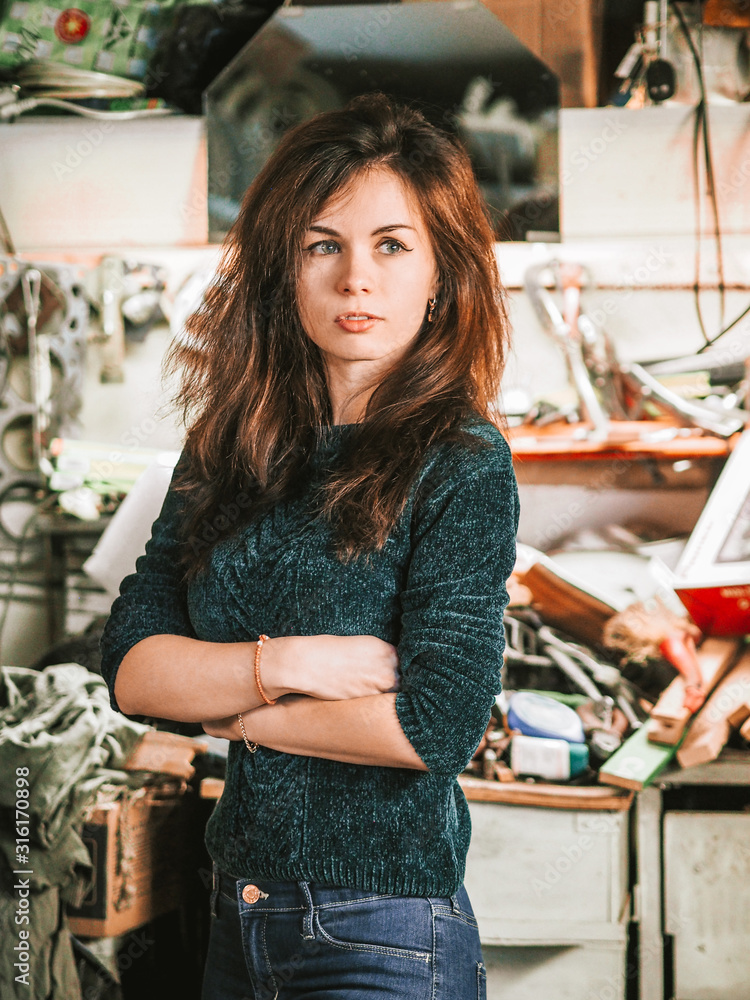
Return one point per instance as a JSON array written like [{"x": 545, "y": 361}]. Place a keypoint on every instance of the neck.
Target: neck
[{"x": 350, "y": 385}]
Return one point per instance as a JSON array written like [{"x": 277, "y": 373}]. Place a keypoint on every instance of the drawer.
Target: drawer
[
  {"x": 706, "y": 903},
  {"x": 589, "y": 970},
  {"x": 548, "y": 876}
]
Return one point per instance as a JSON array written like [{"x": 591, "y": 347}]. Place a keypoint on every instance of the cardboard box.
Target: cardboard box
[{"x": 140, "y": 850}]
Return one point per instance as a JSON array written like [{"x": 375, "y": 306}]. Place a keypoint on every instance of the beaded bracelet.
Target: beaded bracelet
[{"x": 261, "y": 692}]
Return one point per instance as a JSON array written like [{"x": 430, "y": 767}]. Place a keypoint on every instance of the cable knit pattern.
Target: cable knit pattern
[{"x": 436, "y": 589}]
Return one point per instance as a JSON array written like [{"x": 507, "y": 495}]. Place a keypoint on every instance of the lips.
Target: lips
[{"x": 357, "y": 322}]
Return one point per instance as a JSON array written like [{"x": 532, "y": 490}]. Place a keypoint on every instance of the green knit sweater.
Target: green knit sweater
[{"x": 436, "y": 590}]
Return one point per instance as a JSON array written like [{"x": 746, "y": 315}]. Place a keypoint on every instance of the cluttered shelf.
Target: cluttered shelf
[
  {"x": 562, "y": 441},
  {"x": 510, "y": 793}
]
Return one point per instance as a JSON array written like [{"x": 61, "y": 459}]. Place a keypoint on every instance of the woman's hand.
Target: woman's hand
[
  {"x": 225, "y": 729},
  {"x": 332, "y": 667},
  {"x": 229, "y": 728}
]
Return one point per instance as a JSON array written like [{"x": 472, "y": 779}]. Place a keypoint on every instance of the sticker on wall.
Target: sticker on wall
[{"x": 72, "y": 26}]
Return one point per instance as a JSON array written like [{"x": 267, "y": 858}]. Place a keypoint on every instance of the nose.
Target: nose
[{"x": 355, "y": 274}]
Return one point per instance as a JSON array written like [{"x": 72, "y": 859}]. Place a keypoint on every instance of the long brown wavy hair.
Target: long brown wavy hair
[{"x": 252, "y": 387}]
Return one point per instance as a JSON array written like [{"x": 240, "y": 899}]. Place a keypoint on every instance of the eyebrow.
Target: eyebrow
[{"x": 382, "y": 229}]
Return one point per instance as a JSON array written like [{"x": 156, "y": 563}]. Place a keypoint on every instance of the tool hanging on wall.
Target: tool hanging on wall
[
  {"x": 661, "y": 81},
  {"x": 111, "y": 272},
  {"x": 39, "y": 363},
  {"x": 607, "y": 389},
  {"x": 589, "y": 355},
  {"x": 43, "y": 325}
]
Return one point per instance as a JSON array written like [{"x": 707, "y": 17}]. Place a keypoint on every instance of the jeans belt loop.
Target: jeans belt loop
[
  {"x": 454, "y": 902},
  {"x": 307, "y": 920},
  {"x": 214, "y": 886}
]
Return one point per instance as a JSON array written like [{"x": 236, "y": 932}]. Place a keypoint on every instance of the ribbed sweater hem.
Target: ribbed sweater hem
[{"x": 369, "y": 876}]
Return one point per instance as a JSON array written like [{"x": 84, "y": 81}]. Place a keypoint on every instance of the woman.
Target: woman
[{"x": 343, "y": 490}]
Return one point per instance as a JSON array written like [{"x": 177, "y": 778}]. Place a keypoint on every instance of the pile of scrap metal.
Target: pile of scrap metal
[
  {"x": 557, "y": 691},
  {"x": 566, "y": 708},
  {"x": 601, "y": 684},
  {"x": 610, "y": 391},
  {"x": 566, "y": 705}
]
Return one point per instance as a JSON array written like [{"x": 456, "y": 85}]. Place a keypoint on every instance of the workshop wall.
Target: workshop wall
[{"x": 641, "y": 288}]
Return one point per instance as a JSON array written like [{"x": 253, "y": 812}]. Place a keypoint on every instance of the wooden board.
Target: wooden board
[
  {"x": 726, "y": 13},
  {"x": 519, "y": 793},
  {"x": 165, "y": 753},
  {"x": 669, "y": 717},
  {"x": 629, "y": 440},
  {"x": 566, "y": 37},
  {"x": 522, "y": 793},
  {"x": 711, "y": 727},
  {"x": 636, "y": 763},
  {"x": 211, "y": 788},
  {"x": 565, "y": 606}
]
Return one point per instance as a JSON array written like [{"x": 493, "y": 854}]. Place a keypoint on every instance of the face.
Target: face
[{"x": 368, "y": 271}]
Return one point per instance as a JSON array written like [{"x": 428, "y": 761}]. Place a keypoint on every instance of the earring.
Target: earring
[{"x": 431, "y": 303}]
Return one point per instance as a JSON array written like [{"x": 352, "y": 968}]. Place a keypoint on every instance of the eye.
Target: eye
[
  {"x": 393, "y": 247},
  {"x": 323, "y": 247}
]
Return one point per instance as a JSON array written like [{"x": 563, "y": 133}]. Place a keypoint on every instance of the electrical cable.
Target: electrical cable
[
  {"x": 30, "y": 103},
  {"x": 711, "y": 184},
  {"x": 721, "y": 332},
  {"x": 697, "y": 212},
  {"x": 702, "y": 131}
]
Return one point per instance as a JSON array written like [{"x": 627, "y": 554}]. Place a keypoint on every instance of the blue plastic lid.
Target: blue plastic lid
[{"x": 536, "y": 715}]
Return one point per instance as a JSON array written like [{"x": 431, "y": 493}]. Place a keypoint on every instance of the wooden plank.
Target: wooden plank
[
  {"x": 571, "y": 47},
  {"x": 519, "y": 793},
  {"x": 165, "y": 753},
  {"x": 710, "y": 729},
  {"x": 565, "y": 606},
  {"x": 669, "y": 717},
  {"x": 523, "y": 793},
  {"x": 524, "y": 19},
  {"x": 739, "y": 716},
  {"x": 628, "y": 440},
  {"x": 211, "y": 788},
  {"x": 636, "y": 763},
  {"x": 726, "y": 13},
  {"x": 577, "y": 471},
  {"x": 568, "y": 41}
]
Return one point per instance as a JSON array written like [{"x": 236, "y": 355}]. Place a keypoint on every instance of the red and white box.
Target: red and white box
[{"x": 712, "y": 578}]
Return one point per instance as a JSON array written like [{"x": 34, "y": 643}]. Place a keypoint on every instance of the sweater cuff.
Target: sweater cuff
[{"x": 447, "y": 756}]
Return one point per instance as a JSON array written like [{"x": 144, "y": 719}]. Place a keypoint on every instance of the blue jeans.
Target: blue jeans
[{"x": 304, "y": 941}]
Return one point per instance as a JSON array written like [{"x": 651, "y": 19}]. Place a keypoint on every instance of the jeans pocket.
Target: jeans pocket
[
  {"x": 400, "y": 926},
  {"x": 457, "y": 906},
  {"x": 481, "y": 981}
]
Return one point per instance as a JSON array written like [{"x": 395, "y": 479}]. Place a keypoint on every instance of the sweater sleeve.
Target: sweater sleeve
[
  {"x": 153, "y": 600},
  {"x": 452, "y": 640}
]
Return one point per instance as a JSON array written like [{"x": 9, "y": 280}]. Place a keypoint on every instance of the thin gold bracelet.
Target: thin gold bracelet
[{"x": 252, "y": 747}]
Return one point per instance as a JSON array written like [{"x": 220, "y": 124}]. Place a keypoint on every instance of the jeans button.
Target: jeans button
[{"x": 251, "y": 894}]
